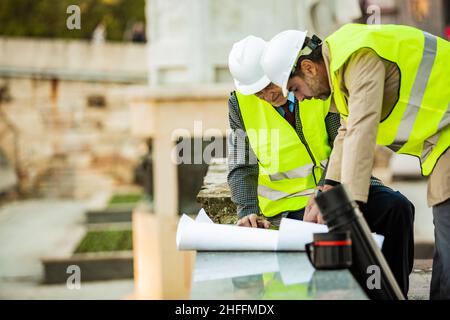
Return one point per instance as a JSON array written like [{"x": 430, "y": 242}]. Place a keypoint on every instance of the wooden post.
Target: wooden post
[{"x": 160, "y": 270}]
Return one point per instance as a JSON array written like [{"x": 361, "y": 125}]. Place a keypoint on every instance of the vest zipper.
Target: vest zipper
[{"x": 305, "y": 143}]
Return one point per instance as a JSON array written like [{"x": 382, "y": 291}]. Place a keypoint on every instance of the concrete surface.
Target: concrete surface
[
  {"x": 73, "y": 60},
  {"x": 31, "y": 290},
  {"x": 30, "y": 230},
  {"x": 420, "y": 280}
]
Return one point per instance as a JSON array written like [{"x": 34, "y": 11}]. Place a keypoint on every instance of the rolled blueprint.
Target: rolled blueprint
[{"x": 202, "y": 234}]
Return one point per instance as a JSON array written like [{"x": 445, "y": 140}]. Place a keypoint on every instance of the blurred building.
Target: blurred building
[
  {"x": 65, "y": 125},
  {"x": 429, "y": 15},
  {"x": 189, "y": 41}
]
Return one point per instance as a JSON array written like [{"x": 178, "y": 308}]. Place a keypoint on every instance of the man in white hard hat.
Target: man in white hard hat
[
  {"x": 280, "y": 182},
  {"x": 261, "y": 189},
  {"x": 390, "y": 85}
]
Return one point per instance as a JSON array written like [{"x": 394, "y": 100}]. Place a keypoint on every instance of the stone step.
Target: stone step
[{"x": 96, "y": 266}]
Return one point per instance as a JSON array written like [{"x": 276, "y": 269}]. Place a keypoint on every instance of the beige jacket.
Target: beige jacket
[{"x": 371, "y": 86}]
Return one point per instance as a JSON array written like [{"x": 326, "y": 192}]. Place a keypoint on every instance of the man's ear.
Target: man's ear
[{"x": 308, "y": 68}]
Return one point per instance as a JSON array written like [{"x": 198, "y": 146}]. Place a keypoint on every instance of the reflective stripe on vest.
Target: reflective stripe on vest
[
  {"x": 274, "y": 195},
  {"x": 300, "y": 172},
  {"x": 419, "y": 123},
  {"x": 417, "y": 93},
  {"x": 287, "y": 172}
]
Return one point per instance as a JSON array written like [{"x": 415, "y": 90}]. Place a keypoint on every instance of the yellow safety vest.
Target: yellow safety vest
[
  {"x": 419, "y": 122},
  {"x": 289, "y": 169}
]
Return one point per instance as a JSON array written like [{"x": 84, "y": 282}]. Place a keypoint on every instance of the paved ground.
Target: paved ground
[
  {"x": 29, "y": 229},
  {"x": 32, "y": 229},
  {"x": 31, "y": 289},
  {"x": 416, "y": 192},
  {"x": 420, "y": 280}
]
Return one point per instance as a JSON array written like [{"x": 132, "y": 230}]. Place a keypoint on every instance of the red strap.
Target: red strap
[{"x": 333, "y": 243}]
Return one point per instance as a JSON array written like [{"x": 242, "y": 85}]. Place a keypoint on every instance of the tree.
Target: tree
[{"x": 47, "y": 18}]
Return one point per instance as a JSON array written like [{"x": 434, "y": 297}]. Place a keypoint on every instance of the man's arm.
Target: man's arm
[
  {"x": 364, "y": 76},
  {"x": 242, "y": 165},
  {"x": 332, "y": 124},
  {"x": 334, "y": 168}
]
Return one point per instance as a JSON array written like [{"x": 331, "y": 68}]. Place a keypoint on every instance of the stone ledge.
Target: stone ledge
[
  {"x": 215, "y": 196},
  {"x": 423, "y": 250},
  {"x": 94, "y": 266},
  {"x": 118, "y": 213},
  {"x": 193, "y": 92}
]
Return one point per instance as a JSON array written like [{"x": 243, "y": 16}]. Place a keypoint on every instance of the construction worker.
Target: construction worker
[
  {"x": 390, "y": 85},
  {"x": 284, "y": 165},
  {"x": 274, "y": 175}
]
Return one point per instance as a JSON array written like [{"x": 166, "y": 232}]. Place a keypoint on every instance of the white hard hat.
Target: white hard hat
[
  {"x": 280, "y": 56},
  {"x": 245, "y": 67}
]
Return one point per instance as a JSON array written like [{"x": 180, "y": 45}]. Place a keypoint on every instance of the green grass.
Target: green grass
[
  {"x": 106, "y": 240},
  {"x": 125, "y": 198}
]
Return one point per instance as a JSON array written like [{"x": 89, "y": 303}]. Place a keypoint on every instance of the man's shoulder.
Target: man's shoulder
[
  {"x": 233, "y": 102},
  {"x": 362, "y": 56},
  {"x": 232, "y": 99},
  {"x": 234, "y": 112}
]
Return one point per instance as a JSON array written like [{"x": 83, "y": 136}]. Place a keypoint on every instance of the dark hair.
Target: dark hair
[{"x": 314, "y": 56}]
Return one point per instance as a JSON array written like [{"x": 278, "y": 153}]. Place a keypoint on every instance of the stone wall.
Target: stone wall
[
  {"x": 73, "y": 60},
  {"x": 66, "y": 122}
]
